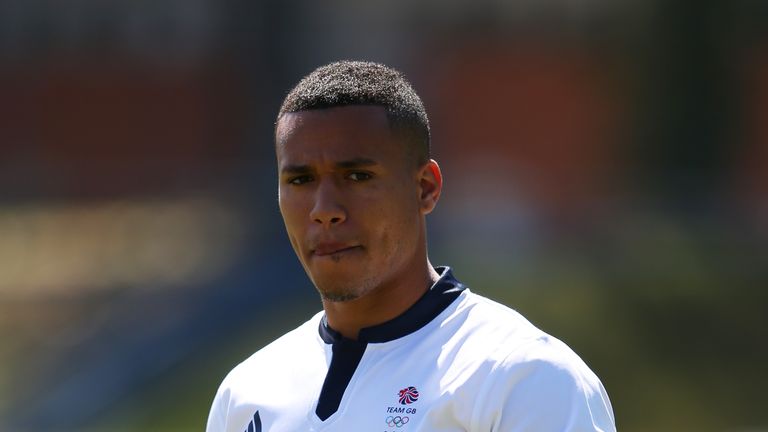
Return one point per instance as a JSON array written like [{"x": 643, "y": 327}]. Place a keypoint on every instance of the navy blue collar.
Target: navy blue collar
[{"x": 430, "y": 305}]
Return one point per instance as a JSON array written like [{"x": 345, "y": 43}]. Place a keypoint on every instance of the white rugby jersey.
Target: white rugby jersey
[{"x": 454, "y": 361}]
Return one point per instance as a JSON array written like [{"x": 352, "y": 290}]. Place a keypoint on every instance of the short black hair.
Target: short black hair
[{"x": 347, "y": 82}]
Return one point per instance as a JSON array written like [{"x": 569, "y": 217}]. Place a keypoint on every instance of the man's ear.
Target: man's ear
[{"x": 430, "y": 185}]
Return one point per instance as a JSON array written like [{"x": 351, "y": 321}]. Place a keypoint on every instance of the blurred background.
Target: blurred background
[{"x": 606, "y": 169}]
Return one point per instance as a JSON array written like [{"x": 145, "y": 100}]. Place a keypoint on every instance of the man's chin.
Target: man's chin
[
  {"x": 339, "y": 286},
  {"x": 338, "y": 297},
  {"x": 340, "y": 293}
]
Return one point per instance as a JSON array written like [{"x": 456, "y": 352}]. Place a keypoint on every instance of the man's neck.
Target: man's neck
[{"x": 381, "y": 304}]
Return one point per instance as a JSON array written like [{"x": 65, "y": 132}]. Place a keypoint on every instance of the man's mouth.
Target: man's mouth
[{"x": 326, "y": 249}]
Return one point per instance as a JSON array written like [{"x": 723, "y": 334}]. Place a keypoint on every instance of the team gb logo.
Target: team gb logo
[{"x": 408, "y": 395}]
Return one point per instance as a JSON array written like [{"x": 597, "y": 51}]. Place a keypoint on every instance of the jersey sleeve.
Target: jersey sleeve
[{"x": 551, "y": 393}]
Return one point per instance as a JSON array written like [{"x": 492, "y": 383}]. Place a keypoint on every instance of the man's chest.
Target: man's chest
[{"x": 388, "y": 391}]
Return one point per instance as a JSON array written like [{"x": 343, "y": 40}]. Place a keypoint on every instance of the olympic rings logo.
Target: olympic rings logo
[{"x": 397, "y": 421}]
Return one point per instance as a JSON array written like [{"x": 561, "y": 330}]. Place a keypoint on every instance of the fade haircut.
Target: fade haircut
[{"x": 365, "y": 83}]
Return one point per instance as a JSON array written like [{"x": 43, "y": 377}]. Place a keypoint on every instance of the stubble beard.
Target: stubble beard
[
  {"x": 337, "y": 297},
  {"x": 348, "y": 292}
]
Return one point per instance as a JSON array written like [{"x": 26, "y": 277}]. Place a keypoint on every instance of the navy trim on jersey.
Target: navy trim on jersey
[
  {"x": 346, "y": 356},
  {"x": 347, "y": 353}
]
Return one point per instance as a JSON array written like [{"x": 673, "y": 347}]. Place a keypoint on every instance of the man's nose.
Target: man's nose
[{"x": 328, "y": 209}]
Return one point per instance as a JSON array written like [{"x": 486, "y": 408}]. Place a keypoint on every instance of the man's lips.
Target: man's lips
[{"x": 324, "y": 249}]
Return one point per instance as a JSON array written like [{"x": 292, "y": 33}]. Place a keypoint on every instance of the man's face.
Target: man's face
[{"x": 350, "y": 198}]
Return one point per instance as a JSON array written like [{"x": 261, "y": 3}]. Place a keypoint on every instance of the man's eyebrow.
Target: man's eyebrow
[
  {"x": 356, "y": 163},
  {"x": 295, "y": 169}
]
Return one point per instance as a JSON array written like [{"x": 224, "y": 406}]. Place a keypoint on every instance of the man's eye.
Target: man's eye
[
  {"x": 299, "y": 180},
  {"x": 359, "y": 176}
]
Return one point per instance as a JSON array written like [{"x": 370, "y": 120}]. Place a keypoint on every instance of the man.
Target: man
[{"x": 400, "y": 345}]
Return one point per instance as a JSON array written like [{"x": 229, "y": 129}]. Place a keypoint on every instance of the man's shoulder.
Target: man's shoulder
[
  {"x": 487, "y": 318},
  {"x": 512, "y": 340},
  {"x": 288, "y": 348},
  {"x": 528, "y": 367}
]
